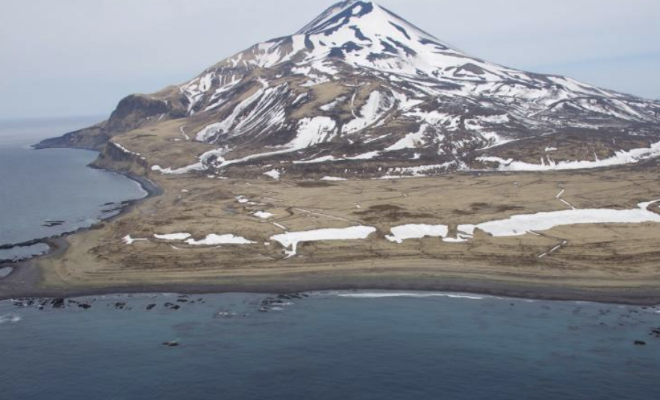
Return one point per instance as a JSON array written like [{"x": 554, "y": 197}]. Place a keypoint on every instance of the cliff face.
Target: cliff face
[
  {"x": 132, "y": 112},
  {"x": 115, "y": 158},
  {"x": 92, "y": 138}
]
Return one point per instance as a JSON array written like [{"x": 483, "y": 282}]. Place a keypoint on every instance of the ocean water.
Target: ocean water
[
  {"x": 49, "y": 192},
  {"x": 329, "y": 346}
]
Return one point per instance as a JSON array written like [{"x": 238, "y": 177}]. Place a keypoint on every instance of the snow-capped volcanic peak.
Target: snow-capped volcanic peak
[
  {"x": 368, "y": 20},
  {"x": 361, "y": 84},
  {"x": 363, "y": 34}
]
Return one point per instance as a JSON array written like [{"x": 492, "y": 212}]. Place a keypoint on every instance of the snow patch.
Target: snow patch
[
  {"x": 331, "y": 106},
  {"x": 263, "y": 214},
  {"x": 313, "y": 131},
  {"x": 410, "y": 141},
  {"x": 273, "y": 173},
  {"x": 173, "y": 236},
  {"x": 519, "y": 225},
  {"x": 125, "y": 150},
  {"x": 291, "y": 239},
  {"x": 242, "y": 199},
  {"x": 417, "y": 171},
  {"x": 376, "y": 106},
  {"x": 317, "y": 160},
  {"x": 129, "y": 240},
  {"x": 620, "y": 158},
  {"x": 178, "y": 171},
  {"x": 366, "y": 156}
]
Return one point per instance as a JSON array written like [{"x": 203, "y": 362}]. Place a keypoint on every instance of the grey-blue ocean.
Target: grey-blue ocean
[
  {"x": 339, "y": 345},
  {"x": 45, "y": 193}
]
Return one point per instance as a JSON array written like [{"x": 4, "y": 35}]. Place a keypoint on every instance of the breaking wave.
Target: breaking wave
[
  {"x": 11, "y": 318},
  {"x": 378, "y": 295}
]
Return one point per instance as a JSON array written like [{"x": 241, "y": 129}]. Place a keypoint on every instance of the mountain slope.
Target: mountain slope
[{"x": 360, "y": 90}]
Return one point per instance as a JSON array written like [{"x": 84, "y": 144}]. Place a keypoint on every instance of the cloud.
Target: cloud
[{"x": 79, "y": 57}]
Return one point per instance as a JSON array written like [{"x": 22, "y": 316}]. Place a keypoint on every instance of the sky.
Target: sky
[{"x": 80, "y": 57}]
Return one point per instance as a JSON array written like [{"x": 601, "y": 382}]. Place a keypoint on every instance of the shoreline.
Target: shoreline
[
  {"x": 58, "y": 243},
  {"x": 150, "y": 187},
  {"x": 24, "y": 282}
]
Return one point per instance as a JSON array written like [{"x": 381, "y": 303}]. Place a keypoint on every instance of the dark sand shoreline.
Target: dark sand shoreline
[{"x": 24, "y": 282}]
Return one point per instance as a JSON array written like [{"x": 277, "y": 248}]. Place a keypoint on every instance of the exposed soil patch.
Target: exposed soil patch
[
  {"x": 390, "y": 213},
  {"x": 487, "y": 208}
]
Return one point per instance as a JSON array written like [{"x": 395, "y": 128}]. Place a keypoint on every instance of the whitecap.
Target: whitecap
[
  {"x": 5, "y": 271},
  {"x": 12, "y": 318},
  {"x": 378, "y": 295}
]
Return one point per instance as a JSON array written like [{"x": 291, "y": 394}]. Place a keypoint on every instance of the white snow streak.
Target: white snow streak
[
  {"x": 376, "y": 106},
  {"x": 291, "y": 239},
  {"x": 518, "y": 225},
  {"x": 620, "y": 158},
  {"x": 129, "y": 240},
  {"x": 313, "y": 131},
  {"x": 173, "y": 236}
]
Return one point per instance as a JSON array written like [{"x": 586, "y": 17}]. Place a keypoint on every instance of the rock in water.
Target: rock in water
[{"x": 57, "y": 303}]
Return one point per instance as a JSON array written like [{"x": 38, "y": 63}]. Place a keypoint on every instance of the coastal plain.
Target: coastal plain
[{"x": 613, "y": 262}]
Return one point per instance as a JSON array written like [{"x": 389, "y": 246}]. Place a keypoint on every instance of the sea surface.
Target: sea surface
[
  {"x": 49, "y": 192},
  {"x": 329, "y": 345}
]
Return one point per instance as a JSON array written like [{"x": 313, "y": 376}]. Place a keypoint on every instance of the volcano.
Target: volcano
[{"x": 362, "y": 92}]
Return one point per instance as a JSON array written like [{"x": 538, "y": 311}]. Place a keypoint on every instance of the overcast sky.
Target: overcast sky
[{"x": 80, "y": 57}]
